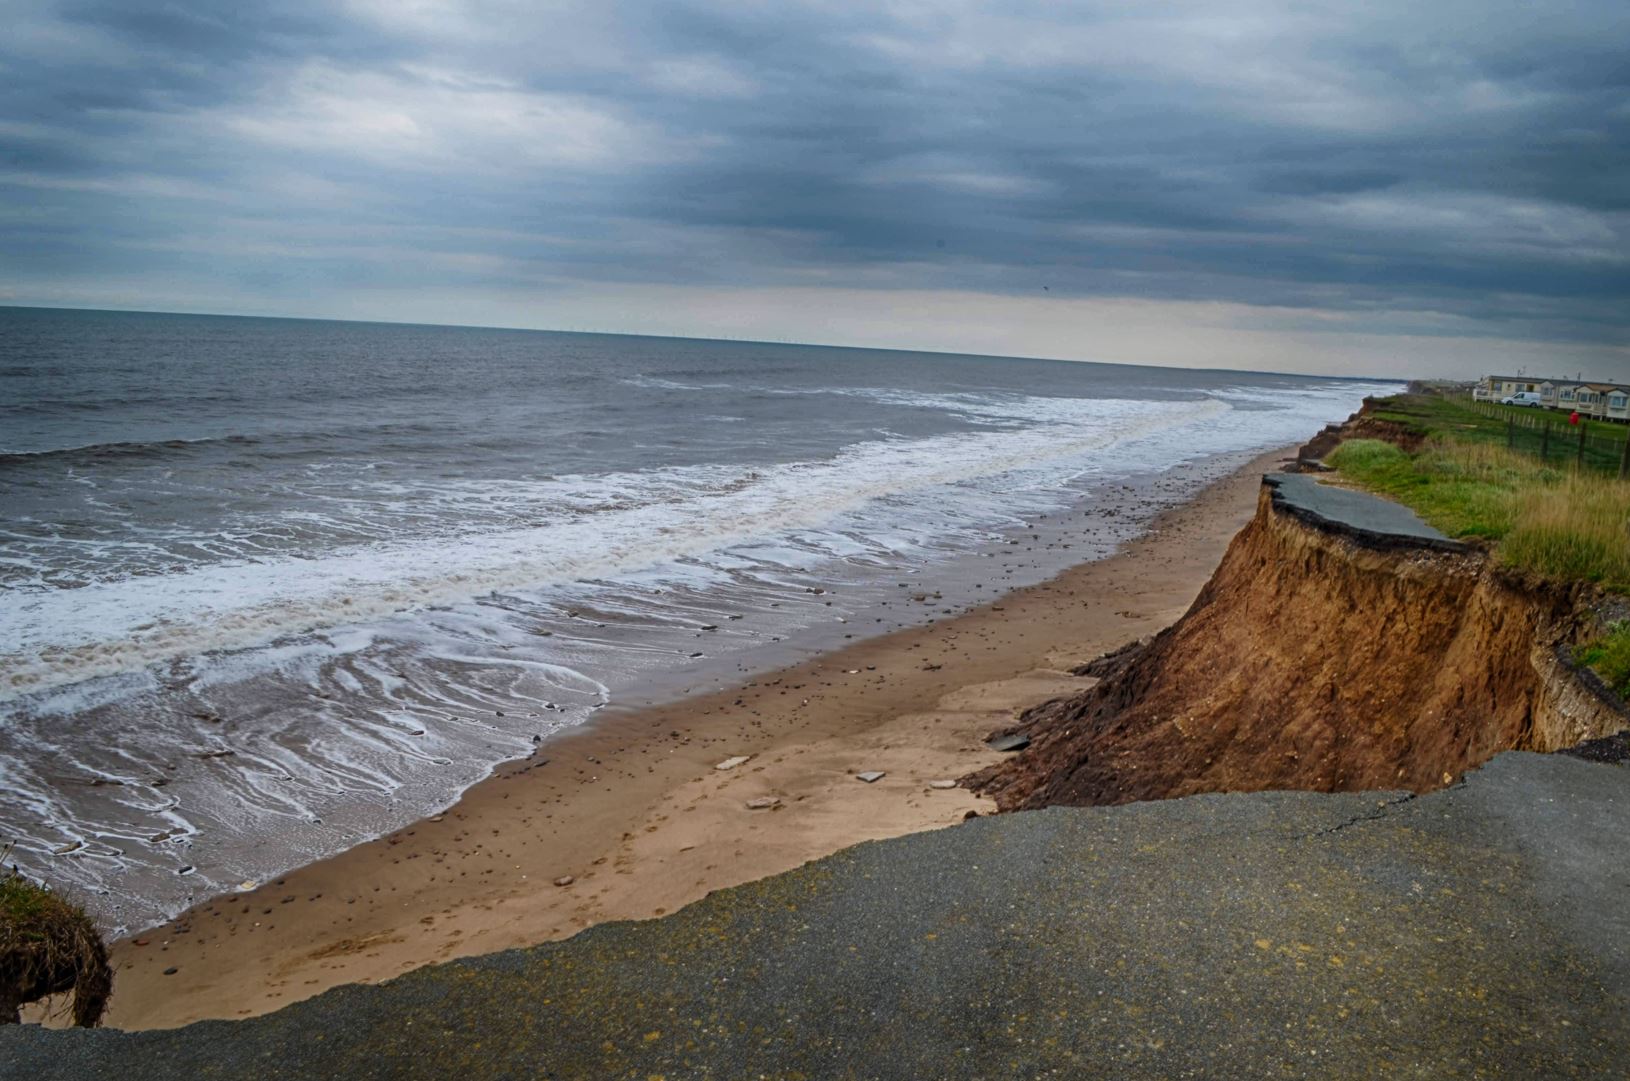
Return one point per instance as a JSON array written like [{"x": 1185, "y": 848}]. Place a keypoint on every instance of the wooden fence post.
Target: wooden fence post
[
  {"x": 1545, "y": 441},
  {"x": 1510, "y": 432},
  {"x": 1624, "y": 459},
  {"x": 1579, "y": 455}
]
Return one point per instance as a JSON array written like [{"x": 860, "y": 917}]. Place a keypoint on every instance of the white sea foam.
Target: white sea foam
[
  {"x": 599, "y": 526},
  {"x": 359, "y": 685}
]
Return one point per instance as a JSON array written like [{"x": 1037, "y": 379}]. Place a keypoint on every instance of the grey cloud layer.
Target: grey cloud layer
[{"x": 1405, "y": 159}]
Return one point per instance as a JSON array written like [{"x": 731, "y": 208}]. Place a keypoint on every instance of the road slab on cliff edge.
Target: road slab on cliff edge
[
  {"x": 1353, "y": 511},
  {"x": 1482, "y": 931}
]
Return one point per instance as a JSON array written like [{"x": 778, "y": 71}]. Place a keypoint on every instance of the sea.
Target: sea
[{"x": 272, "y": 587}]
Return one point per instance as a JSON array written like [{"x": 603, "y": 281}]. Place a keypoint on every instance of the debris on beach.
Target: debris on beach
[
  {"x": 565, "y": 880},
  {"x": 763, "y": 803},
  {"x": 732, "y": 763},
  {"x": 1013, "y": 741},
  {"x": 871, "y": 776},
  {"x": 941, "y": 784}
]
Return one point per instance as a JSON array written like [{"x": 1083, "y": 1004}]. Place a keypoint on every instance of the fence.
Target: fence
[{"x": 1550, "y": 437}]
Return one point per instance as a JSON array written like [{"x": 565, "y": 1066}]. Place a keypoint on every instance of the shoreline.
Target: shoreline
[{"x": 631, "y": 809}]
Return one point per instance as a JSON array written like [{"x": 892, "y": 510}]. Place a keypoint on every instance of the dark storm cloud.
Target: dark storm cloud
[{"x": 1458, "y": 158}]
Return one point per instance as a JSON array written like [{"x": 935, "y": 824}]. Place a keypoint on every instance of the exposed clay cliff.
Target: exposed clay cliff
[
  {"x": 1363, "y": 424},
  {"x": 1320, "y": 658}
]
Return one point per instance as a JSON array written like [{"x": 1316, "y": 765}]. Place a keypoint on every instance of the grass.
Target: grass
[
  {"x": 1457, "y": 419},
  {"x": 1610, "y": 657},
  {"x": 1543, "y": 518},
  {"x": 1437, "y": 414},
  {"x": 22, "y": 903}
]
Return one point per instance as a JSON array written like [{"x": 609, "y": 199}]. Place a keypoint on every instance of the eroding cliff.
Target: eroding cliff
[{"x": 1326, "y": 658}]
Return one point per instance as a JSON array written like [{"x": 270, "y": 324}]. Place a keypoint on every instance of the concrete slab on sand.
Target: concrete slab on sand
[
  {"x": 1353, "y": 512},
  {"x": 1481, "y": 931}
]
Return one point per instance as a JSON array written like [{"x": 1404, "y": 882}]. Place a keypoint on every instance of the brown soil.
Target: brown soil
[{"x": 1313, "y": 660}]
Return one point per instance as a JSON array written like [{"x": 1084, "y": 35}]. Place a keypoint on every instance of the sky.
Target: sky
[{"x": 1376, "y": 188}]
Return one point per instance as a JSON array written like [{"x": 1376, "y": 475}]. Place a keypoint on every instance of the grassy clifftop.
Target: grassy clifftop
[{"x": 1541, "y": 517}]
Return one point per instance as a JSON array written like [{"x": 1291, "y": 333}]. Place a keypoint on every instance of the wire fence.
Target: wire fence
[{"x": 1551, "y": 437}]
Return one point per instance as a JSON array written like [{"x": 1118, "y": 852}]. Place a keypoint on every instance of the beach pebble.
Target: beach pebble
[
  {"x": 247, "y": 885},
  {"x": 763, "y": 803},
  {"x": 871, "y": 776},
  {"x": 941, "y": 784},
  {"x": 565, "y": 880},
  {"x": 732, "y": 763}
]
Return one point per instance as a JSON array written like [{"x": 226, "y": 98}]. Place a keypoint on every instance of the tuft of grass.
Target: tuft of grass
[
  {"x": 1367, "y": 456},
  {"x": 1609, "y": 656},
  {"x": 48, "y": 945}
]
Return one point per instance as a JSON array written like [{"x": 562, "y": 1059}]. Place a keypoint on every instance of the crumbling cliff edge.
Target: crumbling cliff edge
[{"x": 1341, "y": 645}]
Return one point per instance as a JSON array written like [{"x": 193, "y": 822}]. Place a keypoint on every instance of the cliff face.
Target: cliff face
[{"x": 1322, "y": 659}]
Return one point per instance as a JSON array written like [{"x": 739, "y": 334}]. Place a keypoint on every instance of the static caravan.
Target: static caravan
[
  {"x": 1567, "y": 396},
  {"x": 1593, "y": 398},
  {"x": 1494, "y": 387},
  {"x": 1618, "y": 404}
]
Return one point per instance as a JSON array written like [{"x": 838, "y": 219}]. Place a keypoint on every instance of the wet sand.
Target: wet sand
[{"x": 629, "y": 818}]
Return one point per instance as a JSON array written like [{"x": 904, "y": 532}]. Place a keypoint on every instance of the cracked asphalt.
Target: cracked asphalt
[
  {"x": 1355, "y": 512},
  {"x": 1482, "y": 931}
]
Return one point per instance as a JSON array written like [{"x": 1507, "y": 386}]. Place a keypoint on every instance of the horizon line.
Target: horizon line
[{"x": 697, "y": 338}]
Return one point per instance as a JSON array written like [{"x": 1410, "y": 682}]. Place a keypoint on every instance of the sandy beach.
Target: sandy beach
[{"x": 631, "y": 818}]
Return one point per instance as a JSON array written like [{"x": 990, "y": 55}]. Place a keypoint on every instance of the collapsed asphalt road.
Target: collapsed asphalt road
[{"x": 1480, "y": 931}]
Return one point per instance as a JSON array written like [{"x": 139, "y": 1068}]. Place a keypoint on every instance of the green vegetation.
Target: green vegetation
[
  {"x": 1465, "y": 490},
  {"x": 1540, "y": 433},
  {"x": 49, "y": 946},
  {"x": 1546, "y": 519},
  {"x": 1610, "y": 657}
]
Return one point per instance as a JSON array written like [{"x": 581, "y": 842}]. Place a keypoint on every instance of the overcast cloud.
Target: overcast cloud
[{"x": 1377, "y": 187}]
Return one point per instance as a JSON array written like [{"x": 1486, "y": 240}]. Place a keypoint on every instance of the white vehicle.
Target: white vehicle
[{"x": 1523, "y": 397}]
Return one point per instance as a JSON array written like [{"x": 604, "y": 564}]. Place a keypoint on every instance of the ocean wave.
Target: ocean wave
[
  {"x": 596, "y": 526},
  {"x": 368, "y": 684},
  {"x": 99, "y": 452}
]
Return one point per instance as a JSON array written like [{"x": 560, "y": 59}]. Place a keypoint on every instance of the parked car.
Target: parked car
[{"x": 1523, "y": 397}]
